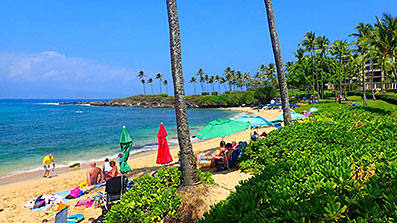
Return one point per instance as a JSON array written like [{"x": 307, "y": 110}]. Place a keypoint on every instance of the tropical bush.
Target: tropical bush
[
  {"x": 389, "y": 97},
  {"x": 392, "y": 90},
  {"x": 152, "y": 198},
  {"x": 339, "y": 165}
]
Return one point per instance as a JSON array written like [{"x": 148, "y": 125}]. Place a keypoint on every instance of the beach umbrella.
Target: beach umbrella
[
  {"x": 220, "y": 128},
  {"x": 163, "y": 152},
  {"x": 254, "y": 120},
  {"x": 126, "y": 144},
  {"x": 294, "y": 115}
]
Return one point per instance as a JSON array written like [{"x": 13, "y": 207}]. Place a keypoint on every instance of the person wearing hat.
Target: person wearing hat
[{"x": 47, "y": 164}]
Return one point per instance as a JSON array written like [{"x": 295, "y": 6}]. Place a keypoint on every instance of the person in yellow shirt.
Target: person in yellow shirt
[{"x": 47, "y": 164}]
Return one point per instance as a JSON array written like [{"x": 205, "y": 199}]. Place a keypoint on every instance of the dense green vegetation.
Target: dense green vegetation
[
  {"x": 152, "y": 197},
  {"x": 230, "y": 98},
  {"x": 338, "y": 165}
]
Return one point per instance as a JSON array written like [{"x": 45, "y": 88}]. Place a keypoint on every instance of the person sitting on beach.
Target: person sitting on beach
[
  {"x": 254, "y": 137},
  {"x": 113, "y": 172},
  {"x": 234, "y": 144},
  {"x": 304, "y": 112},
  {"x": 106, "y": 166},
  {"x": 219, "y": 155},
  {"x": 92, "y": 174},
  {"x": 264, "y": 134},
  {"x": 47, "y": 164}
]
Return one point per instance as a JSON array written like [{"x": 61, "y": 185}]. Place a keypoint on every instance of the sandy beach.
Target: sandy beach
[{"x": 14, "y": 195}]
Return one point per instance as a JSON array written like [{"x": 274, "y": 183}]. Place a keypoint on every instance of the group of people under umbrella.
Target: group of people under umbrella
[{"x": 218, "y": 128}]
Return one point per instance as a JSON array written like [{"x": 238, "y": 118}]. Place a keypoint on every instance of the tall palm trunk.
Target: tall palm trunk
[
  {"x": 344, "y": 81},
  {"x": 340, "y": 81},
  {"x": 194, "y": 86},
  {"x": 160, "y": 86},
  {"x": 332, "y": 79},
  {"x": 279, "y": 63},
  {"x": 322, "y": 81},
  {"x": 382, "y": 82},
  {"x": 364, "y": 93},
  {"x": 189, "y": 166},
  {"x": 372, "y": 80},
  {"x": 315, "y": 70},
  {"x": 151, "y": 86},
  {"x": 144, "y": 89},
  {"x": 313, "y": 88}
]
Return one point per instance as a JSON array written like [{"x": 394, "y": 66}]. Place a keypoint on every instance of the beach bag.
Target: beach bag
[{"x": 40, "y": 202}]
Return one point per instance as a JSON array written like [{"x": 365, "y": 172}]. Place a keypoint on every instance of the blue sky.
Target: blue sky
[{"x": 94, "y": 49}]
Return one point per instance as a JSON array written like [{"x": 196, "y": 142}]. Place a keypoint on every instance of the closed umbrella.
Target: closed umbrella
[
  {"x": 220, "y": 128},
  {"x": 294, "y": 115},
  {"x": 126, "y": 144},
  {"x": 163, "y": 152},
  {"x": 254, "y": 120}
]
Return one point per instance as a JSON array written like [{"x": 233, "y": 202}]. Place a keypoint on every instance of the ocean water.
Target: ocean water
[{"x": 30, "y": 129}]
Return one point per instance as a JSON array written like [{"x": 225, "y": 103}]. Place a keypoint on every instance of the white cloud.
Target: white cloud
[{"x": 51, "y": 65}]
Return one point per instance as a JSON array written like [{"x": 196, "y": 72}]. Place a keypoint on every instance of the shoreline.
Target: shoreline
[{"x": 14, "y": 195}]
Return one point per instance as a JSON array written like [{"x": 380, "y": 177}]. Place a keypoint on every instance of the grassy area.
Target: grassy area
[
  {"x": 388, "y": 108},
  {"x": 339, "y": 165}
]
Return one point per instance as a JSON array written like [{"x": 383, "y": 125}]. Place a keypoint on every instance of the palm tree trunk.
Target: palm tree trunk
[
  {"x": 219, "y": 86},
  {"x": 344, "y": 80},
  {"x": 279, "y": 63},
  {"x": 194, "y": 86},
  {"x": 311, "y": 54},
  {"x": 382, "y": 87},
  {"x": 332, "y": 79},
  {"x": 372, "y": 80},
  {"x": 160, "y": 86},
  {"x": 151, "y": 86},
  {"x": 322, "y": 81},
  {"x": 144, "y": 89},
  {"x": 315, "y": 69},
  {"x": 189, "y": 166},
  {"x": 340, "y": 82},
  {"x": 304, "y": 75},
  {"x": 364, "y": 93}
]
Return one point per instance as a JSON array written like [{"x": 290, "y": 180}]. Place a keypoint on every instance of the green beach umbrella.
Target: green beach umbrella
[
  {"x": 126, "y": 144},
  {"x": 220, "y": 128}
]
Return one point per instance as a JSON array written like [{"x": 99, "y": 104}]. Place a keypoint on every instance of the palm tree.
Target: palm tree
[
  {"x": 363, "y": 32},
  {"x": 193, "y": 81},
  {"x": 279, "y": 63},
  {"x": 141, "y": 75},
  {"x": 223, "y": 81},
  {"x": 200, "y": 74},
  {"x": 323, "y": 45},
  {"x": 206, "y": 80},
  {"x": 310, "y": 44},
  {"x": 300, "y": 55},
  {"x": 247, "y": 80},
  {"x": 217, "y": 79},
  {"x": 189, "y": 166},
  {"x": 339, "y": 49},
  {"x": 385, "y": 41},
  {"x": 228, "y": 77},
  {"x": 160, "y": 78},
  {"x": 150, "y": 81},
  {"x": 165, "y": 82}
]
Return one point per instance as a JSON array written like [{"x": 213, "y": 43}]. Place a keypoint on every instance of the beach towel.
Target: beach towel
[
  {"x": 85, "y": 203},
  {"x": 75, "y": 218}
]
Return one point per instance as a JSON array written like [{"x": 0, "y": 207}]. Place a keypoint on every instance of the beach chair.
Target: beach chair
[
  {"x": 62, "y": 216},
  {"x": 115, "y": 187}
]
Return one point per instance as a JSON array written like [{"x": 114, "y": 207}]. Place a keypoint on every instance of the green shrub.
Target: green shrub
[
  {"x": 214, "y": 93},
  {"x": 205, "y": 93},
  {"x": 339, "y": 165},
  {"x": 228, "y": 92},
  {"x": 152, "y": 198},
  {"x": 392, "y": 90}
]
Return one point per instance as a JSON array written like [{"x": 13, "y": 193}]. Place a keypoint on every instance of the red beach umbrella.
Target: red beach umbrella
[{"x": 163, "y": 153}]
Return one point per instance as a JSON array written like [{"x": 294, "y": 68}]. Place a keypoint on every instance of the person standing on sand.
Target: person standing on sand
[
  {"x": 92, "y": 174},
  {"x": 47, "y": 164}
]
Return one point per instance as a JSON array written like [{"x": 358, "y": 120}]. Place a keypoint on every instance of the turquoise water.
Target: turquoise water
[{"x": 30, "y": 129}]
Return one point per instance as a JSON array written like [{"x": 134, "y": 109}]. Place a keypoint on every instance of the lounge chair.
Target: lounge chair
[
  {"x": 115, "y": 187},
  {"x": 62, "y": 216},
  {"x": 231, "y": 157}
]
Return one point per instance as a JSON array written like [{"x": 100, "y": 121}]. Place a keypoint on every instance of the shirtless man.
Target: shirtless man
[{"x": 92, "y": 174}]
